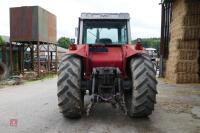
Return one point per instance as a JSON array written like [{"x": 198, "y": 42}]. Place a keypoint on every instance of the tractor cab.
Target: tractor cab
[{"x": 104, "y": 28}]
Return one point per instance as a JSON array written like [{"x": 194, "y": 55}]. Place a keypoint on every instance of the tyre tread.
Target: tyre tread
[
  {"x": 143, "y": 95},
  {"x": 69, "y": 94}
]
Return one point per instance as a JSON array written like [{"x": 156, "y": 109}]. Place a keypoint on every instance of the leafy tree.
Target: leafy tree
[
  {"x": 150, "y": 43},
  {"x": 64, "y": 42},
  {"x": 1, "y": 41}
]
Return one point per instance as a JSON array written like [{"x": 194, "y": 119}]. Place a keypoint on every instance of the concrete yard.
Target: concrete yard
[{"x": 34, "y": 106}]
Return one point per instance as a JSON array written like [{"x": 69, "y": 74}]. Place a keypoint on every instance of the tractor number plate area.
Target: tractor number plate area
[
  {"x": 98, "y": 49},
  {"x": 106, "y": 87}
]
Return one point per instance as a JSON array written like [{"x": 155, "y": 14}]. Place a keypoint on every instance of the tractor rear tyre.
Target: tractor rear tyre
[
  {"x": 3, "y": 71},
  {"x": 70, "y": 99},
  {"x": 141, "y": 99}
]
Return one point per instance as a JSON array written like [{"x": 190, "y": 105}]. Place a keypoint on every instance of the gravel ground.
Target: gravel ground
[{"x": 34, "y": 106}]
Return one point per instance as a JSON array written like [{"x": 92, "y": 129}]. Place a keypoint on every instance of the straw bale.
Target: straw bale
[
  {"x": 188, "y": 66},
  {"x": 187, "y": 20},
  {"x": 183, "y": 77},
  {"x": 182, "y": 65},
  {"x": 184, "y": 54},
  {"x": 185, "y": 32},
  {"x": 177, "y": 44},
  {"x": 185, "y": 7}
]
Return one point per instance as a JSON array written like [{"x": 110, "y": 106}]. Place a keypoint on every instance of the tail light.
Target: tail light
[{"x": 139, "y": 46}]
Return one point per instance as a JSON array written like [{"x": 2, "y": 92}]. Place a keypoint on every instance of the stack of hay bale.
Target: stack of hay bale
[{"x": 182, "y": 64}]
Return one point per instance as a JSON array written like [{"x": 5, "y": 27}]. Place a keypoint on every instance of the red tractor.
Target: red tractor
[{"x": 105, "y": 67}]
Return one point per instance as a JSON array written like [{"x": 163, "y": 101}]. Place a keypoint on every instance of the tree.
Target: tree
[
  {"x": 150, "y": 42},
  {"x": 64, "y": 42},
  {"x": 1, "y": 41}
]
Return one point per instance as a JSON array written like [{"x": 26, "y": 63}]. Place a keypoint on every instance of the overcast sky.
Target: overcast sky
[{"x": 145, "y": 14}]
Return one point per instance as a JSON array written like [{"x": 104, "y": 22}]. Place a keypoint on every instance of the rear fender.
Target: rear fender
[
  {"x": 82, "y": 50},
  {"x": 129, "y": 52}
]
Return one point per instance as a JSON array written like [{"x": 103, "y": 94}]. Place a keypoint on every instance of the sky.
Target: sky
[{"x": 145, "y": 14}]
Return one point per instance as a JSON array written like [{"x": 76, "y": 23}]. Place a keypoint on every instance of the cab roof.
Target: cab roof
[{"x": 105, "y": 16}]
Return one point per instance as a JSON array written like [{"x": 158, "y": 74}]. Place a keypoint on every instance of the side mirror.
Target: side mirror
[{"x": 72, "y": 41}]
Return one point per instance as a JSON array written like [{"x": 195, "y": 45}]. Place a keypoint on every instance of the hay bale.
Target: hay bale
[
  {"x": 187, "y": 20},
  {"x": 184, "y": 54},
  {"x": 185, "y": 32},
  {"x": 193, "y": 8},
  {"x": 188, "y": 66},
  {"x": 185, "y": 7},
  {"x": 178, "y": 44},
  {"x": 31, "y": 75},
  {"x": 182, "y": 65},
  {"x": 183, "y": 78}
]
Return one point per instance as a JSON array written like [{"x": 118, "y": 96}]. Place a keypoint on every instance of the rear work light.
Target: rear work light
[
  {"x": 73, "y": 47},
  {"x": 139, "y": 46}
]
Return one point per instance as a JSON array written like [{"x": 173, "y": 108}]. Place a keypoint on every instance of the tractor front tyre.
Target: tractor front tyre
[
  {"x": 141, "y": 99},
  {"x": 70, "y": 99}
]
